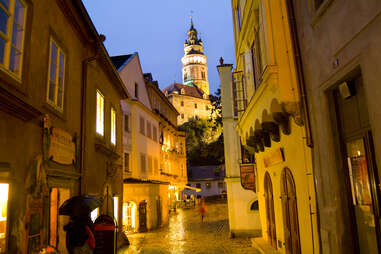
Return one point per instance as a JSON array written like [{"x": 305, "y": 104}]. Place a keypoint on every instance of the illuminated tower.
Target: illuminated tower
[{"x": 195, "y": 70}]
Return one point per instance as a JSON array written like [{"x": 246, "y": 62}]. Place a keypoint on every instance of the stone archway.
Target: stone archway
[{"x": 270, "y": 214}]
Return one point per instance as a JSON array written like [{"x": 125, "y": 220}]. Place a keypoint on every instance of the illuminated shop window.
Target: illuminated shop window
[
  {"x": 113, "y": 126},
  {"x": 12, "y": 28},
  {"x": 55, "y": 89},
  {"x": 4, "y": 187},
  {"x": 100, "y": 113},
  {"x": 56, "y": 223},
  {"x": 129, "y": 213}
]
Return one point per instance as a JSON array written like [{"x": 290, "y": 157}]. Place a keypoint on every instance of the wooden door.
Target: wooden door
[
  {"x": 143, "y": 216},
  {"x": 158, "y": 211},
  {"x": 270, "y": 215},
  {"x": 290, "y": 213}
]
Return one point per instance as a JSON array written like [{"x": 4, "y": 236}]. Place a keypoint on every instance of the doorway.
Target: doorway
[
  {"x": 158, "y": 211},
  {"x": 270, "y": 215},
  {"x": 143, "y": 216},
  {"x": 290, "y": 213},
  {"x": 360, "y": 170},
  {"x": 129, "y": 213}
]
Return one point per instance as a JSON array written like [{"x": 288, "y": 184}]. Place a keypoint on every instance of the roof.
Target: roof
[
  {"x": 140, "y": 181},
  {"x": 120, "y": 61},
  {"x": 212, "y": 172},
  {"x": 189, "y": 89}
]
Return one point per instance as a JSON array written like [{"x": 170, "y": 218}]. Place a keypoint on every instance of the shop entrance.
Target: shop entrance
[
  {"x": 360, "y": 168},
  {"x": 290, "y": 213},
  {"x": 270, "y": 215}
]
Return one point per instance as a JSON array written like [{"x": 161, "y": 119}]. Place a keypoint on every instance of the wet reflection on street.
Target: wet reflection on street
[{"x": 186, "y": 234}]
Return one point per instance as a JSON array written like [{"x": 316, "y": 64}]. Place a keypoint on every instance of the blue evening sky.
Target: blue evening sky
[{"x": 157, "y": 29}]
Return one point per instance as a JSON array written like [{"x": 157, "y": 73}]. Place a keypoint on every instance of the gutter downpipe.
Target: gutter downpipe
[
  {"x": 303, "y": 99},
  {"x": 82, "y": 183}
]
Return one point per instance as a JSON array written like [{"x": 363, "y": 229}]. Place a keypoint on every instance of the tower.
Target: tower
[{"x": 195, "y": 70}]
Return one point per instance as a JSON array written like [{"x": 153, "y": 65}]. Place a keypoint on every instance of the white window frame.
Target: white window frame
[
  {"x": 54, "y": 103},
  {"x": 8, "y": 38}
]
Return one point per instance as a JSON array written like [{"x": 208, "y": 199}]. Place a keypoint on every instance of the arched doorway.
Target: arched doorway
[
  {"x": 270, "y": 215},
  {"x": 129, "y": 216},
  {"x": 290, "y": 213}
]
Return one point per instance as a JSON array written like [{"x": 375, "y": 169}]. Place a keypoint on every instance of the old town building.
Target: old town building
[
  {"x": 243, "y": 208},
  {"x": 173, "y": 167},
  {"x": 341, "y": 49},
  {"x": 49, "y": 120},
  {"x": 191, "y": 98},
  {"x": 272, "y": 124}
]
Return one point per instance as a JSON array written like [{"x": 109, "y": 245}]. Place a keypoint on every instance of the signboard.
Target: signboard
[
  {"x": 248, "y": 176},
  {"x": 274, "y": 157},
  {"x": 62, "y": 147},
  {"x": 104, "y": 233}
]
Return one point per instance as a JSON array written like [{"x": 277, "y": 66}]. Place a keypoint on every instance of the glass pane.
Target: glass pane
[
  {"x": 3, "y": 21},
  {"x": 2, "y": 48},
  {"x": 17, "y": 36},
  {"x": 3, "y": 215},
  {"x": 358, "y": 168},
  {"x": 59, "y": 93},
  {"x": 61, "y": 64},
  {"x": 60, "y": 81},
  {"x": 52, "y": 88},
  {"x": 5, "y": 3},
  {"x": 19, "y": 13},
  {"x": 53, "y": 53},
  {"x": 14, "y": 64}
]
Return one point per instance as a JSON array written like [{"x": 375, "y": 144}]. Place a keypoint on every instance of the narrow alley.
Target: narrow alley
[{"x": 187, "y": 234}]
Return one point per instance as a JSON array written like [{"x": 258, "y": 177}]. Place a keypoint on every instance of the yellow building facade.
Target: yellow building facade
[{"x": 268, "y": 101}]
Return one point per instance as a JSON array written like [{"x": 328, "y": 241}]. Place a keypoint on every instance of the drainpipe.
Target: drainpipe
[
  {"x": 303, "y": 99},
  {"x": 85, "y": 63}
]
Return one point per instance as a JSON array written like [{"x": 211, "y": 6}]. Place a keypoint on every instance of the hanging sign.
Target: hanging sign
[
  {"x": 62, "y": 147},
  {"x": 248, "y": 176}
]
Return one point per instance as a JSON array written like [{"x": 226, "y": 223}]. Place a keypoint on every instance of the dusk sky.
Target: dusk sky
[{"x": 157, "y": 30}]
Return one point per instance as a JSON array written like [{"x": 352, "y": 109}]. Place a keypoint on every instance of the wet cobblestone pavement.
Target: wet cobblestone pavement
[{"x": 186, "y": 234}]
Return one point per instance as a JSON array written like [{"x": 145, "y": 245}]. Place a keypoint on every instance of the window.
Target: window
[
  {"x": 220, "y": 185},
  {"x": 182, "y": 170},
  {"x": 155, "y": 166},
  {"x": 149, "y": 133},
  {"x": 208, "y": 185},
  {"x": 182, "y": 91},
  {"x": 154, "y": 133},
  {"x": 185, "y": 77},
  {"x": 142, "y": 126},
  {"x": 257, "y": 59},
  {"x": 126, "y": 123},
  {"x": 150, "y": 165},
  {"x": 136, "y": 90},
  {"x": 198, "y": 185},
  {"x": 126, "y": 162},
  {"x": 203, "y": 75},
  {"x": 142, "y": 162},
  {"x": 4, "y": 187},
  {"x": 239, "y": 18},
  {"x": 195, "y": 105},
  {"x": 56, "y": 223},
  {"x": 182, "y": 116},
  {"x": 113, "y": 126},
  {"x": 254, "y": 206},
  {"x": 12, "y": 27},
  {"x": 100, "y": 113},
  {"x": 318, "y": 3},
  {"x": 182, "y": 104},
  {"x": 55, "y": 89}
]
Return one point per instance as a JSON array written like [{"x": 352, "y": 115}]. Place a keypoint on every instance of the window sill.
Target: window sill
[
  {"x": 110, "y": 151},
  {"x": 60, "y": 114}
]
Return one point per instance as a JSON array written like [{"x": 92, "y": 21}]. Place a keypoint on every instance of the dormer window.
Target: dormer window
[{"x": 204, "y": 96}]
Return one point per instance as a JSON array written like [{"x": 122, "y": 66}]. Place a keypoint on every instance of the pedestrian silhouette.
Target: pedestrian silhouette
[
  {"x": 203, "y": 210},
  {"x": 79, "y": 235}
]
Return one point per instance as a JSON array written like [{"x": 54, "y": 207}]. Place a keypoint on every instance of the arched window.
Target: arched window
[{"x": 254, "y": 206}]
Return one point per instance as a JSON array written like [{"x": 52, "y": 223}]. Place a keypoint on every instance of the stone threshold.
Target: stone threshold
[{"x": 262, "y": 246}]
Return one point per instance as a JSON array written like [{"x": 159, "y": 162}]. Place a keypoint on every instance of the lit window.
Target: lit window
[
  {"x": 100, "y": 113},
  {"x": 12, "y": 26},
  {"x": 116, "y": 206},
  {"x": 113, "y": 126},
  {"x": 3, "y": 215},
  {"x": 55, "y": 89},
  {"x": 94, "y": 214}
]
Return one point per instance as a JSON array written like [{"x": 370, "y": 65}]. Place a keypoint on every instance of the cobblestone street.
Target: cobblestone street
[{"x": 187, "y": 234}]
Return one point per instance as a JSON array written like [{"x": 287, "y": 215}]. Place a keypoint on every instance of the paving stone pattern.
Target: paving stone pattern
[{"x": 186, "y": 234}]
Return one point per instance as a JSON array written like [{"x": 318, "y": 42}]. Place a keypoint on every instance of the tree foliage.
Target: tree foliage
[{"x": 204, "y": 140}]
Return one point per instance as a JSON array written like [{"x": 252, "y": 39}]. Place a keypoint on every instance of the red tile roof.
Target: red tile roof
[{"x": 189, "y": 90}]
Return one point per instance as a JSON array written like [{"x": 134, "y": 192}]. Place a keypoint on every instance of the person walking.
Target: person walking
[
  {"x": 203, "y": 210},
  {"x": 79, "y": 235}
]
